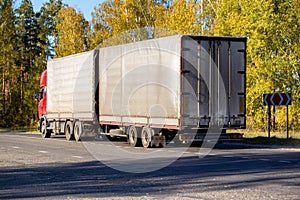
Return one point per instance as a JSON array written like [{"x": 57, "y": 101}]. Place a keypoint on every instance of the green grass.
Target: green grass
[
  {"x": 5, "y": 129},
  {"x": 24, "y": 129},
  {"x": 276, "y": 138},
  {"x": 278, "y": 134}
]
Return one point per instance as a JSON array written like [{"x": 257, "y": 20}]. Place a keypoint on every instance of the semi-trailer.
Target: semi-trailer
[{"x": 148, "y": 91}]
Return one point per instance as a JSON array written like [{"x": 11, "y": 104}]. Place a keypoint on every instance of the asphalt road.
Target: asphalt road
[{"x": 32, "y": 167}]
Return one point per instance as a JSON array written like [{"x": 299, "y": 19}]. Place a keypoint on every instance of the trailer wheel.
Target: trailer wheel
[
  {"x": 78, "y": 130},
  {"x": 146, "y": 136},
  {"x": 45, "y": 133},
  {"x": 69, "y": 131},
  {"x": 133, "y": 138}
]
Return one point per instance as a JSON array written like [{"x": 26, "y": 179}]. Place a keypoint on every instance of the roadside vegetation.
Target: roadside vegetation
[
  {"x": 278, "y": 138},
  {"x": 21, "y": 129}
]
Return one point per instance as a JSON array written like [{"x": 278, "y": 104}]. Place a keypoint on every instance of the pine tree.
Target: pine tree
[
  {"x": 47, "y": 24},
  {"x": 8, "y": 68},
  {"x": 28, "y": 53}
]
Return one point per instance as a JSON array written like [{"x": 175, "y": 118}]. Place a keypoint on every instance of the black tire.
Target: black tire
[
  {"x": 146, "y": 137},
  {"x": 69, "y": 131},
  {"x": 78, "y": 130},
  {"x": 133, "y": 136},
  {"x": 45, "y": 133}
]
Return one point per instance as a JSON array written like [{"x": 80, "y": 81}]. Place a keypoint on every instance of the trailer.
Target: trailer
[{"x": 149, "y": 91}]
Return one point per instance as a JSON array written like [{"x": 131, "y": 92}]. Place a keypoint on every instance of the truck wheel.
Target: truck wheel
[
  {"x": 146, "y": 137},
  {"x": 78, "y": 130},
  {"x": 69, "y": 131},
  {"x": 45, "y": 133},
  {"x": 133, "y": 138}
]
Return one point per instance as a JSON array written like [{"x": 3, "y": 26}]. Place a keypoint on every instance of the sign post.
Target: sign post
[
  {"x": 287, "y": 122},
  {"x": 278, "y": 99},
  {"x": 269, "y": 121}
]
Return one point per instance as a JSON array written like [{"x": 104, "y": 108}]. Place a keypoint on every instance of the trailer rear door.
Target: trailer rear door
[{"x": 214, "y": 81}]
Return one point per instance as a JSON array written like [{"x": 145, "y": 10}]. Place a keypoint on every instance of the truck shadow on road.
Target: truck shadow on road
[{"x": 185, "y": 176}]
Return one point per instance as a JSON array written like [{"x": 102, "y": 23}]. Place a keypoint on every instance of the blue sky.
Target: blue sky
[{"x": 85, "y": 6}]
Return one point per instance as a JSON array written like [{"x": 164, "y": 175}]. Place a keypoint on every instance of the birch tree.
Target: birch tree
[
  {"x": 71, "y": 32},
  {"x": 272, "y": 27}
]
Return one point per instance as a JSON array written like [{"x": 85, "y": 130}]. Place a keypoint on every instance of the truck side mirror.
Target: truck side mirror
[{"x": 36, "y": 96}]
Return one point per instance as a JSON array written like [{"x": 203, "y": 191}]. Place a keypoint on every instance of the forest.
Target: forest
[{"x": 29, "y": 39}]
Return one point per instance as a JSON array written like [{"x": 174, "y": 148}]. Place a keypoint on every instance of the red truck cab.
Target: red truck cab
[{"x": 42, "y": 97}]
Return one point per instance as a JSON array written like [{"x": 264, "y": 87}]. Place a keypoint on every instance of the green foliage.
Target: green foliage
[
  {"x": 183, "y": 17},
  {"x": 100, "y": 25},
  {"x": 47, "y": 25},
  {"x": 115, "y": 18},
  {"x": 28, "y": 52},
  {"x": 8, "y": 68},
  {"x": 25, "y": 43},
  {"x": 272, "y": 27},
  {"x": 120, "y": 22},
  {"x": 72, "y": 30}
]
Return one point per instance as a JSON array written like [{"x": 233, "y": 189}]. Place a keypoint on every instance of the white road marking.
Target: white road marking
[
  {"x": 43, "y": 151},
  {"x": 16, "y": 147},
  {"x": 264, "y": 159},
  {"x": 200, "y": 154},
  {"x": 228, "y": 156},
  {"x": 36, "y": 138},
  {"x": 245, "y": 157},
  {"x": 284, "y": 161},
  {"x": 77, "y": 157}
]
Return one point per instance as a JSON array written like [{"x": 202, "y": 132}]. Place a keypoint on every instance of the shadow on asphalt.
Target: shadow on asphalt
[{"x": 93, "y": 179}]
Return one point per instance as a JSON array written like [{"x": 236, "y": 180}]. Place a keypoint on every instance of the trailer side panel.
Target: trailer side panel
[
  {"x": 71, "y": 87},
  {"x": 140, "y": 83}
]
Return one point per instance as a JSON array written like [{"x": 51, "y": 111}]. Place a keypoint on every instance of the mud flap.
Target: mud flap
[{"x": 158, "y": 141}]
